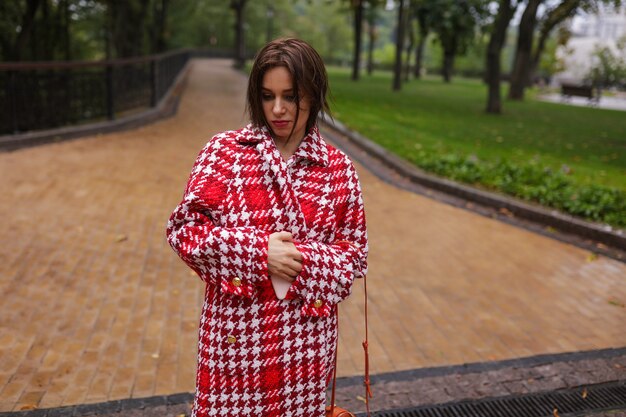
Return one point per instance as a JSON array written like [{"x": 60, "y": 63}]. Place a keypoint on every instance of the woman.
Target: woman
[{"x": 267, "y": 207}]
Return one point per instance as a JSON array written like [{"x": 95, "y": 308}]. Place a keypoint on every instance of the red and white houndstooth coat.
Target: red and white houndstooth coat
[{"x": 260, "y": 356}]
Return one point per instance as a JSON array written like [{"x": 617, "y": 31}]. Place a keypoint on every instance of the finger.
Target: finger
[
  {"x": 285, "y": 236},
  {"x": 294, "y": 268},
  {"x": 293, "y": 251},
  {"x": 284, "y": 276},
  {"x": 296, "y": 255}
]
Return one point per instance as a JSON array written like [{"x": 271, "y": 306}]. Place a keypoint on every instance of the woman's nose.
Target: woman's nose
[{"x": 279, "y": 106}]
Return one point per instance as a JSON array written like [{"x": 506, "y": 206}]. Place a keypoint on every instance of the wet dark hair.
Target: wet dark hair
[{"x": 308, "y": 75}]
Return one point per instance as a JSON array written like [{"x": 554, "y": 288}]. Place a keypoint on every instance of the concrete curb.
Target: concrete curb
[
  {"x": 167, "y": 107},
  {"x": 603, "y": 234}
]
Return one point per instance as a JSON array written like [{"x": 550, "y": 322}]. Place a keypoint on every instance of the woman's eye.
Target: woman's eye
[
  {"x": 290, "y": 98},
  {"x": 266, "y": 97}
]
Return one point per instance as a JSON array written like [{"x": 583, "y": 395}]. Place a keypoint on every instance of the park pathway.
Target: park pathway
[{"x": 96, "y": 306}]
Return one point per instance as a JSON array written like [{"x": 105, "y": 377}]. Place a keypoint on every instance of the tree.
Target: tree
[
  {"x": 127, "y": 26},
  {"x": 526, "y": 61},
  {"x": 159, "y": 25},
  {"x": 17, "y": 27},
  {"x": 240, "y": 51},
  {"x": 357, "y": 6},
  {"x": 521, "y": 62},
  {"x": 506, "y": 10},
  {"x": 454, "y": 22},
  {"x": 411, "y": 44},
  {"x": 371, "y": 16},
  {"x": 397, "y": 70},
  {"x": 563, "y": 10},
  {"x": 421, "y": 15}
]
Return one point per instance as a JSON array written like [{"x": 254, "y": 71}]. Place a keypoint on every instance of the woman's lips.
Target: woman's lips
[{"x": 280, "y": 123}]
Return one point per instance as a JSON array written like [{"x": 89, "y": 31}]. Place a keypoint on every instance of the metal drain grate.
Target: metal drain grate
[{"x": 595, "y": 398}]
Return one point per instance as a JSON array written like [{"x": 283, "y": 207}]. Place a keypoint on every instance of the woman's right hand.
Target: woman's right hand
[{"x": 283, "y": 258}]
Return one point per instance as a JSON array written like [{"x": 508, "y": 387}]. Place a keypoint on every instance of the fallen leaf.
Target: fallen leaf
[
  {"x": 506, "y": 212},
  {"x": 592, "y": 257},
  {"x": 182, "y": 415},
  {"x": 550, "y": 229},
  {"x": 555, "y": 412},
  {"x": 155, "y": 355},
  {"x": 121, "y": 238},
  {"x": 618, "y": 366},
  {"x": 616, "y": 303},
  {"x": 601, "y": 246},
  {"x": 28, "y": 407},
  {"x": 358, "y": 397},
  {"x": 584, "y": 393}
]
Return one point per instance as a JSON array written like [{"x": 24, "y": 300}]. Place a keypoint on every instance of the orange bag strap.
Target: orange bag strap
[{"x": 366, "y": 380}]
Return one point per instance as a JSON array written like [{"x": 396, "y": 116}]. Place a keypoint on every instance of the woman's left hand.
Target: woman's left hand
[{"x": 284, "y": 261}]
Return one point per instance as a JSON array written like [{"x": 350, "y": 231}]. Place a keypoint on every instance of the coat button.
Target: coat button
[
  {"x": 236, "y": 282},
  {"x": 318, "y": 303},
  {"x": 231, "y": 339}
]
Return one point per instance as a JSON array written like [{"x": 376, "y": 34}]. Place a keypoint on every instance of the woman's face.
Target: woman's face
[{"x": 279, "y": 106}]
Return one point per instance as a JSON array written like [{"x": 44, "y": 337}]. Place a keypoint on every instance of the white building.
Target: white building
[{"x": 590, "y": 32}]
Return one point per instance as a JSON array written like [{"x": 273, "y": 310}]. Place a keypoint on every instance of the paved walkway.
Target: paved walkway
[
  {"x": 96, "y": 306},
  {"x": 611, "y": 103}
]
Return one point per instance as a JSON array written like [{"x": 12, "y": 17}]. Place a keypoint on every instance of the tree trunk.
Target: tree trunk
[
  {"x": 240, "y": 51},
  {"x": 494, "y": 52},
  {"x": 419, "y": 53},
  {"x": 521, "y": 64},
  {"x": 358, "y": 30},
  {"x": 409, "y": 48},
  {"x": 43, "y": 36},
  {"x": 448, "y": 64},
  {"x": 564, "y": 10},
  {"x": 371, "y": 30},
  {"x": 67, "y": 45},
  {"x": 536, "y": 57},
  {"x": 127, "y": 25},
  {"x": 26, "y": 29},
  {"x": 160, "y": 25},
  {"x": 397, "y": 71}
]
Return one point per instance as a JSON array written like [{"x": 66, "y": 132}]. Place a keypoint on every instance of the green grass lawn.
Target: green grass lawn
[{"x": 429, "y": 117}]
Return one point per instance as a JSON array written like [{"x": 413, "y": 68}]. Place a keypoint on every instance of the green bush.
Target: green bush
[{"x": 531, "y": 182}]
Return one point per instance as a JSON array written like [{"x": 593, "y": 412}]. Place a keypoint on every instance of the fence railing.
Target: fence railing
[{"x": 45, "y": 95}]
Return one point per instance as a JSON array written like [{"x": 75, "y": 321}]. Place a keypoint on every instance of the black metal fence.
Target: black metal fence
[{"x": 35, "y": 96}]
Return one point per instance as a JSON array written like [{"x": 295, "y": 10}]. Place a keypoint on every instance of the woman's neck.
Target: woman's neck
[{"x": 287, "y": 147}]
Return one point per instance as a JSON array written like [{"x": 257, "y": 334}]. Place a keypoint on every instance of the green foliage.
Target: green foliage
[
  {"x": 569, "y": 158},
  {"x": 531, "y": 182},
  {"x": 455, "y": 22},
  {"x": 609, "y": 68},
  {"x": 325, "y": 25}
]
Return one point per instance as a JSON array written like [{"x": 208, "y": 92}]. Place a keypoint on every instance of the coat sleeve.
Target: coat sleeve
[
  {"x": 328, "y": 269},
  {"x": 233, "y": 258}
]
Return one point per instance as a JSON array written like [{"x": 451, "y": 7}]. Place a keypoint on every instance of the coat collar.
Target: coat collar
[{"x": 312, "y": 148}]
